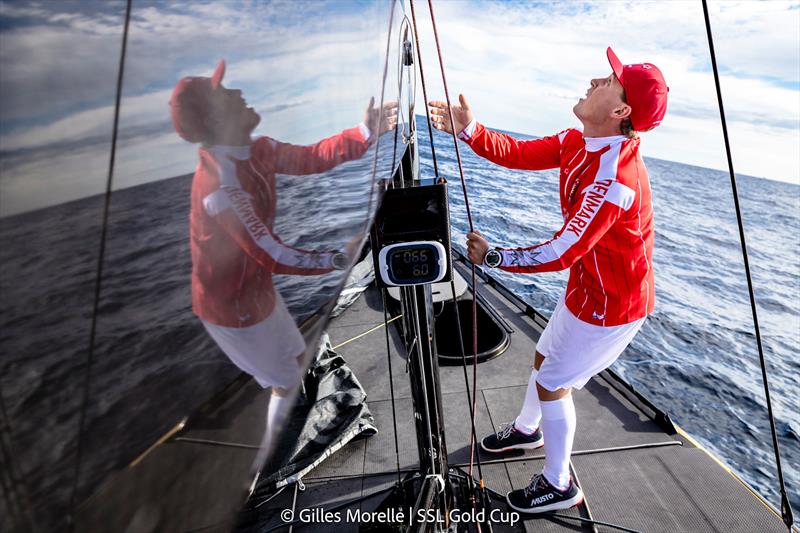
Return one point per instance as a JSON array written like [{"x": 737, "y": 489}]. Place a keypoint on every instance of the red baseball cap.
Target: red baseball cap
[
  {"x": 645, "y": 90},
  {"x": 190, "y": 103}
]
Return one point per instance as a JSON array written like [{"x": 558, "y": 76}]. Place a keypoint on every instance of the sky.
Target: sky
[
  {"x": 309, "y": 68},
  {"x": 523, "y": 65}
]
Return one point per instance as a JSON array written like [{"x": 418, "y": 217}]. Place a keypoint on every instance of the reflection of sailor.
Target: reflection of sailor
[
  {"x": 234, "y": 250},
  {"x": 606, "y": 242}
]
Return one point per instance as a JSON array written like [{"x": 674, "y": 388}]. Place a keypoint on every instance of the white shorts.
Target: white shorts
[
  {"x": 575, "y": 350},
  {"x": 268, "y": 350}
]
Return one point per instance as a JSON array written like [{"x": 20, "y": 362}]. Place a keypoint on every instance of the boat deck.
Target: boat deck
[{"x": 632, "y": 471}]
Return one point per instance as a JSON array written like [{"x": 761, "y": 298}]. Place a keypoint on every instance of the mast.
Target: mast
[
  {"x": 417, "y": 300},
  {"x": 403, "y": 221}
]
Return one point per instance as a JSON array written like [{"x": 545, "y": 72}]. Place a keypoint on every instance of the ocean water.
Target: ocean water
[{"x": 696, "y": 355}]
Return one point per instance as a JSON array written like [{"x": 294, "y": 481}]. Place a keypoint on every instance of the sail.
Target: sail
[{"x": 185, "y": 188}]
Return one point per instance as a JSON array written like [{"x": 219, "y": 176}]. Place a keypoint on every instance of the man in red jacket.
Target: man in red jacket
[
  {"x": 234, "y": 249},
  {"x": 606, "y": 242}
]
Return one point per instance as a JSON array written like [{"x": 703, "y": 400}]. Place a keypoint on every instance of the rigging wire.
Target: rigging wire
[
  {"x": 414, "y": 317},
  {"x": 456, "y": 310},
  {"x": 365, "y": 333},
  {"x": 343, "y": 505},
  {"x": 99, "y": 277},
  {"x": 424, "y": 91},
  {"x": 471, "y": 228},
  {"x": 413, "y": 322},
  {"x": 394, "y": 162},
  {"x": 786, "y": 509},
  {"x": 549, "y": 515},
  {"x": 424, "y": 379}
]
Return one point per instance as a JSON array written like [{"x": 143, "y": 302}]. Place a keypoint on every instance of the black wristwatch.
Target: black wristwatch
[{"x": 492, "y": 259}]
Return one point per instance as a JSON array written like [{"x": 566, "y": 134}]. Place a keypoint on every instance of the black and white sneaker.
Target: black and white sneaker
[
  {"x": 510, "y": 438},
  {"x": 540, "y": 496}
]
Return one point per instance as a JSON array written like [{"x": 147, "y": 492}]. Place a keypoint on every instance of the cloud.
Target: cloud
[
  {"x": 524, "y": 65},
  {"x": 759, "y": 39},
  {"x": 308, "y": 72},
  {"x": 57, "y": 62}
]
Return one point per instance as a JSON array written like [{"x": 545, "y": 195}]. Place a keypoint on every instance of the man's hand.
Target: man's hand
[
  {"x": 440, "y": 118},
  {"x": 379, "y": 121},
  {"x": 477, "y": 246}
]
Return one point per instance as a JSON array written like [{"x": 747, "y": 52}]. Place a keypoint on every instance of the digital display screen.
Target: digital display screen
[{"x": 417, "y": 263}]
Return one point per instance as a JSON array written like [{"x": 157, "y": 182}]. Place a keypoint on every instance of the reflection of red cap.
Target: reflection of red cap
[
  {"x": 190, "y": 103},
  {"x": 645, "y": 90}
]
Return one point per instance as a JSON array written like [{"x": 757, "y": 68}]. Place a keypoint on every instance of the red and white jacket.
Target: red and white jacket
[
  {"x": 607, "y": 237},
  {"x": 234, "y": 250}
]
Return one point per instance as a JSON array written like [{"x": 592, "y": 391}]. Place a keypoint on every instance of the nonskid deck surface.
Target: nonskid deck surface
[{"x": 632, "y": 472}]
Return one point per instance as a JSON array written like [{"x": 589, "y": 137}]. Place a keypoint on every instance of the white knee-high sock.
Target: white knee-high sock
[
  {"x": 277, "y": 409},
  {"x": 531, "y": 414},
  {"x": 558, "y": 426},
  {"x": 276, "y": 413}
]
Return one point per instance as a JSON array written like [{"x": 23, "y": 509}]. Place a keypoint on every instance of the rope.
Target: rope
[
  {"x": 424, "y": 94},
  {"x": 376, "y": 328},
  {"x": 413, "y": 317},
  {"x": 456, "y": 311},
  {"x": 471, "y": 228},
  {"x": 473, "y": 403},
  {"x": 786, "y": 509},
  {"x": 550, "y": 515},
  {"x": 99, "y": 278},
  {"x": 391, "y": 380},
  {"x": 294, "y": 502},
  {"x": 343, "y": 505}
]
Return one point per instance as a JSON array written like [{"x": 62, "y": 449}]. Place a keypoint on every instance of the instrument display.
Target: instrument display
[{"x": 413, "y": 263}]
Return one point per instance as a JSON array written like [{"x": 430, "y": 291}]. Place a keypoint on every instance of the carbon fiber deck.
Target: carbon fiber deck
[
  {"x": 671, "y": 488},
  {"x": 519, "y": 474},
  {"x": 380, "y": 454}
]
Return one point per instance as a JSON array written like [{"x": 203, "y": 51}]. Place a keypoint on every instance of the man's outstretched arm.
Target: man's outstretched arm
[
  {"x": 499, "y": 148},
  {"x": 232, "y": 208},
  {"x": 328, "y": 153}
]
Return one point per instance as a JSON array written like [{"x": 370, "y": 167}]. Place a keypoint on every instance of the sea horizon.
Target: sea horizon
[{"x": 420, "y": 133}]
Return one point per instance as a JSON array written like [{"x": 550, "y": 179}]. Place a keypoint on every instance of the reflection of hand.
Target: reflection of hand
[
  {"x": 462, "y": 115},
  {"x": 344, "y": 259},
  {"x": 379, "y": 121},
  {"x": 477, "y": 246}
]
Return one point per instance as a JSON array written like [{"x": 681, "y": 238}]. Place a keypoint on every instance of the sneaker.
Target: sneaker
[
  {"x": 540, "y": 496},
  {"x": 510, "y": 438}
]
